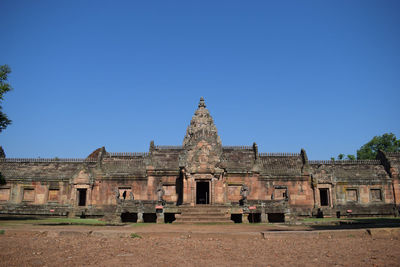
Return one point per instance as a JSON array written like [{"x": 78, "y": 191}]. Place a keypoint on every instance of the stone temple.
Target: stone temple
[{"x": 200, "y": 181}]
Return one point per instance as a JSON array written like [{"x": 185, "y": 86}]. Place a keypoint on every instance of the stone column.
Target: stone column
[
  {"x": 140, "y": 217},
  {"x": 89, "y": 197},
  {"x": 193, "y": 192},
  {"x": 160, "y": 217},
  {"x": 288, "y": 216},
  {"x": 245, "y": 218},
  {"x": 212, "y": 191},
  {"x": 151, "y": 188},
  {"x": 189, "y": 188},
  {"x": 264, "y": 216}
]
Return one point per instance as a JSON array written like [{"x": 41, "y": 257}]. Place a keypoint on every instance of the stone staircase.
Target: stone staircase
[{"x": 203, "y": 214}]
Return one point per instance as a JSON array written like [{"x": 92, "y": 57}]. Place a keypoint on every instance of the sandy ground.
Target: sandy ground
[{"x": 197, "y": 245}]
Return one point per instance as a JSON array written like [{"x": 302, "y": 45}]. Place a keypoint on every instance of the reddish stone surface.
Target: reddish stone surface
[
  {"x": 284, "y": 183},
  {"x": 193, "y": 245}
]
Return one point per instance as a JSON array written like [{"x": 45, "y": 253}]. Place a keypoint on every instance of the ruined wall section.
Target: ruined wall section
[
  {"x": 285, "y": 180},
  {"x": 238, "y": 159},
  {"x": 119, "y": 172},
  {"x": 277, "y": 180},
  {"x": 357, "y": 187},
  {"x": 391, "y": 162},
  {"x": 163, "y": 170},
  {"x": 37, "y": 186},
  {"x": 238, "y": 162}
]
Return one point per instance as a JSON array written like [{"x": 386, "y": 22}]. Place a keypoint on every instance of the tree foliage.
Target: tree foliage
[
  {"x": 386, "y": 142},
  {"x": 348, "y": 157},
  {"x": 4, "y": 88}
]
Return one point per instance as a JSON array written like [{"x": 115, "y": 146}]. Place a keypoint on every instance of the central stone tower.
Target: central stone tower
[
  {"x": 202, "y": 144},
  {"x": 202, "y": 162}
]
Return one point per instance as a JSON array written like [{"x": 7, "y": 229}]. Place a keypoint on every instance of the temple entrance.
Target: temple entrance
[
  {"x": 324, "y": 196},
  {"x": 202, "y": 192},
  {"x": 81, "y": 197}
]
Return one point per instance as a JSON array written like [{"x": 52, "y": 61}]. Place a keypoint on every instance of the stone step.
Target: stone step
[
  {"x": 214, "y": 209},
  {"x": 204, "y": 207},
  {"x": 205, "y": 222},
  {"x": 204, "y": 211},
  {"x": 203, "y": 214},
  {"x": 209, "y": 220}
]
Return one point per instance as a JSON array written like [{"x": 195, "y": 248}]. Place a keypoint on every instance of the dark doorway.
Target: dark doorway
[
  {"x": 179, "y": 188},
  {"x": 169, "y": 217},
  {"x": 128, "y": 217},
  {"x": 254, "y": 217},
  {"x": 202, "y": 193},
  {"x": 149, "y": 217},
  {"x": 276, "y": 217},
  {"x": 81, "y": 197},
  {"x": 324, "y": 196},
  {"x": 236, "y": 218}
]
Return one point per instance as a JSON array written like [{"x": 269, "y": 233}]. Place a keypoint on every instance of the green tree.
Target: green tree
[
  {"x": 386, "y": 142},
  {"x": 4, "y": 88},
  {"x": 340, "y": 156},
  {"x": 351, "y": 157}
]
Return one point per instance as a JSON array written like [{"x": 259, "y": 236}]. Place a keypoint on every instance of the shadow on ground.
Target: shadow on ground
[{"x": 359, "y": 223}]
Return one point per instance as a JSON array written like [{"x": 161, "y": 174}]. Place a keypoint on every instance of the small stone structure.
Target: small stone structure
[{"x": 168, "y": 181}]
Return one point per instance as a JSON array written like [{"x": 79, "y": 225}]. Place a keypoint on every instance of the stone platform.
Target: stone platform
[{"x": 204, "y": 214}]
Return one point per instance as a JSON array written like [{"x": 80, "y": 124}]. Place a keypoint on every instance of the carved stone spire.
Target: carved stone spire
[
  {"x": 201, "y": 127},
  {"x": 203, "y": 148},
  {"x": 202, "y": 104}
]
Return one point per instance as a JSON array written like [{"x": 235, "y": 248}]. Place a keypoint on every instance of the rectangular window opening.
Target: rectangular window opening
[
  {"x": 82, "y": 197},
  {"x": 351, "y": 195},
  {"x": 29, "y": 195},
  {"x": 53, "y": 195},
  {"x": 125, "y": 192},
  {"x": 4, "y": 194},
  {"x": 376, "y": 195},
  {"x": 324, "y": 196}
]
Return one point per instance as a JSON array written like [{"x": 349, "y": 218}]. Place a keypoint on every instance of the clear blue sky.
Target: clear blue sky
[{"x": 319, "y": 75}]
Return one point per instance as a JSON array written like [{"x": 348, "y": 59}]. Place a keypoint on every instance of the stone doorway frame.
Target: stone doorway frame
[{"x": 208, "y": 194}]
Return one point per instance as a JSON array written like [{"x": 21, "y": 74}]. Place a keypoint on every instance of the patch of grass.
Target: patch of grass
[
  {"x": 69, "y": 221},
  {"x": 141, "y": 224},
  {"x": 134, "y": 235},
  {"x": 352, "y": 222},
  {"x": 365, "y": 219},
  {"x": 2, "y": 232},
  {"x": 320, "y": 219},
  {"x": 55, "y": 221}
]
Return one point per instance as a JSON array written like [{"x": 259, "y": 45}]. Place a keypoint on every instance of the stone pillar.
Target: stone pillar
[
  {"x": 211, "y": 197},
  {"x": 160, "y": 217},
  {"x": 192, "y": 184},
  {"x": 151, "y": 188},
  {"x": 245, "y": 218},
  {"x": 140, "y": 217},
  {"x": 264, "y": 216},
  {"x": 117, "y": 218},
  {"x": 89, "y": 197},
  {"x": 71, "y": 213},
  {"x": 314, "y": 185},
  {"x": 73, "y": 197},
  {"x": 225, "y": 186},
  {"x": 288, "y": 216}
]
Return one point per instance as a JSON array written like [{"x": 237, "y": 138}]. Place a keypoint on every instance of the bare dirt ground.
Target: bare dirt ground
[{"x": 197, "y": 245}]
